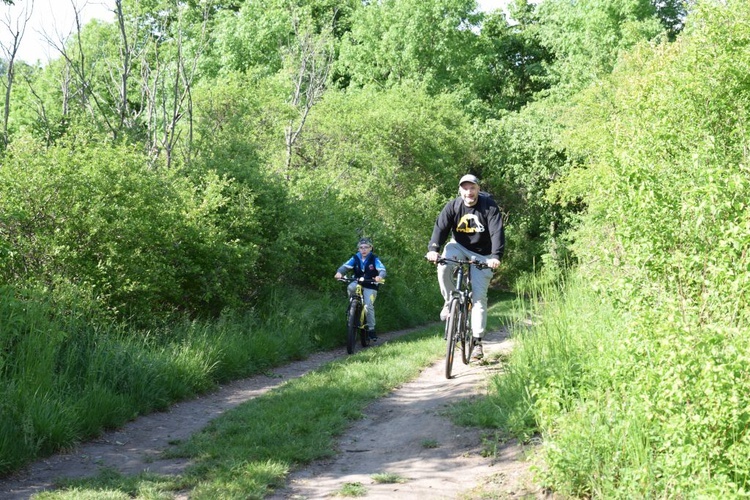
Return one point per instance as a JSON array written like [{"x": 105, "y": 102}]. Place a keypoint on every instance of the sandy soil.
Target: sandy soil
[{"x": 405, "y": 439}]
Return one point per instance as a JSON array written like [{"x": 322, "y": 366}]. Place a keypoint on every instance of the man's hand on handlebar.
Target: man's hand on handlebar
[
  {"x": 437, "y": 258},
  {"x": 432, "y": 256},
  {"x": 492, "y": 263}
]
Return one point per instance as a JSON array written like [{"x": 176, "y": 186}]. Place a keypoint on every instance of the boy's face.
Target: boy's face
[{"x": 365, "y": 249}]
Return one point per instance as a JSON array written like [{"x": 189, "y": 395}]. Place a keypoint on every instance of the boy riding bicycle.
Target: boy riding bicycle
[{"x": 367, "y": 265}]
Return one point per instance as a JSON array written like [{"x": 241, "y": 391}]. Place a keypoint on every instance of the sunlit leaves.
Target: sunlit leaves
[{"x": 423, "y": 40}]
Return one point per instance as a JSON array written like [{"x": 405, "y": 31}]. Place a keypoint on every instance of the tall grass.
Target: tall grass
[
  {"x": 248, "y": 451},
  {"x": 549, "y": 366},
  {"x": 629, "y": 405},
  {"x": 66, "y": 377}
]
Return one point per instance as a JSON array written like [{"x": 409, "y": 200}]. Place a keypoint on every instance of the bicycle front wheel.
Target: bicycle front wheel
[
  {"x": 467, "y": 340},
  {"x": 352, "y": 326},
  {"x": 451, "y": 331}
]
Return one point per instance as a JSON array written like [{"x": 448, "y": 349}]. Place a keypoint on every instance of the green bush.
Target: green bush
[
  {"x": 64, "y": 377},
  {"x": 664, "y": 242},
  {"x": 101, "y": 222}
]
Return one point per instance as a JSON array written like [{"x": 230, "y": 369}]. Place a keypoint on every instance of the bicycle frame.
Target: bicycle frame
[
  {"x": 458, "y": 323},
  {"x": 356, "y": 320}
]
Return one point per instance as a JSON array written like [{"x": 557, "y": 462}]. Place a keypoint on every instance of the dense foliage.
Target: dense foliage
[
  {"x": 636, "y": 371},
  {"x": 665, "y": 238},
  {"x": 211, "y": 163}
]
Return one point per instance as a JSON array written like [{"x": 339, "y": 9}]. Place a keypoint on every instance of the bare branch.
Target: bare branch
[
  {"x": 77, "y": 63},
  {"x": 17, "y": 28},
  {"x": 314, "y": 58}
]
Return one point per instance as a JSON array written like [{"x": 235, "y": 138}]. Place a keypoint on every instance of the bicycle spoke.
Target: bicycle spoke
[
  {"x": 468, "y": 342},
  {"x": 452, "y": 330},
  {"x": 352, "y": 326}
]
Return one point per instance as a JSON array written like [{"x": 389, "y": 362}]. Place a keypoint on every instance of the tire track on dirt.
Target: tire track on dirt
[{"x": 408, "y": 436}]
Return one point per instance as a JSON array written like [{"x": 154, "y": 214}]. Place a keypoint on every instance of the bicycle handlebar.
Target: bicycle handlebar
[
  {"x": 479, "y": 265},
  {"x": 346, "y": 279}
]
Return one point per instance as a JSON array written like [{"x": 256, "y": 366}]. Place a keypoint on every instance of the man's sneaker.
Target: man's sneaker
[
  {"x": 478, "y": 352},
  {"x": 445, "y": 312},
  {"x": 373, "y": 337}
]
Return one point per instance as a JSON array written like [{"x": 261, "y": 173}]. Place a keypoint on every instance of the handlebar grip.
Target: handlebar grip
[{"x": 478, "y": 264}]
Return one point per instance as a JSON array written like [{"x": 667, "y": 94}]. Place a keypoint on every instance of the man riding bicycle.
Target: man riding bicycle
[
  {"x": 475, "y": 224},
  {"x": 367, "y": 265}
]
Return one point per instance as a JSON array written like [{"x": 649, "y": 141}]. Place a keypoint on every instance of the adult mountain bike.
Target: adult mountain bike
[
  {"x": 458, "y": 323},
  {"x": 356, "y": 321}
]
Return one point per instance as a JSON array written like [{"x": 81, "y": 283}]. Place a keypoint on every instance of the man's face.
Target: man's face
[{"x": 469, "y": 192}]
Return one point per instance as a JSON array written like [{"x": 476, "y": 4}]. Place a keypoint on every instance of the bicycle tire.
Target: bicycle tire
[
  {"x": 452, "y": 334},
  {"x": 467, "y": 339},
  {"x": 363, "y": 337},
  {"x": 352, "y": 326},
  {"x": 469, "y": 347}
]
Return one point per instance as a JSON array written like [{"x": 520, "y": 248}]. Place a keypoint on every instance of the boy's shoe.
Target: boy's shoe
[
  {"x": 446, "y": 311},
  {"x": 478, "y": 352},
  {"x": 372, "y": 336}
]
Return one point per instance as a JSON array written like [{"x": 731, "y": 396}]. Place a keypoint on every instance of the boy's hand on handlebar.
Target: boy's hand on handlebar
[
  {"x": 492, "y": 263},
  {"x": 338, "y": 276}
]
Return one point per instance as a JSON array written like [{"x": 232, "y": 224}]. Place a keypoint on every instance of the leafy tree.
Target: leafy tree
[
  {"x": 586, "y": 37},
  {"x": 308, "y": 63},
  {"x": 522, "y": 157},
  {"x": 16, "y": 29},
  {"x": 422, "y": 40},
  {"x": 261, "y": 32},
  {"x": 672, "y": 14},
  {"x": 526, "y": 152},
  {"x": 238, "y": 127},
  {"x": 515, "y": 63},
  {"x": 641, "y": 164},
  {"x": 386, "y": 160},
  {"x": 665, "y": 238},
  {"x": 136, "y": 240}
]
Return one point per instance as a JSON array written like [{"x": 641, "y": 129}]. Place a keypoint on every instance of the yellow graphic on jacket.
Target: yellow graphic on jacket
[{"x": 469, "y": 223}]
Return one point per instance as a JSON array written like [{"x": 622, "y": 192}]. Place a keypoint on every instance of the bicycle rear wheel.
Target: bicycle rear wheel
[
  {"x": 352, "y": 326},
  {"x": 363, "y": 337},
  {"x": 451, "y": 331},
  {"x": 468, "y": 346}
]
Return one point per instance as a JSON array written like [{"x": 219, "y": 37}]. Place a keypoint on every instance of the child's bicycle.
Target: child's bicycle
[
  {"x": 356, "y": 323},
  {"x": 458, "y": 323}
]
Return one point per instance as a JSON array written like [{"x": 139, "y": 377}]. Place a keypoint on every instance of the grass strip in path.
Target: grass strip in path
[{"x": 249, "y": 450}]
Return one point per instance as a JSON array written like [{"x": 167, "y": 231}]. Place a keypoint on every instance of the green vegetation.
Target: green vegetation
[
  {"x": 175, "y": 195},
  {"x": 352, "y": 490},
  {"x": 250, "y": 449},
  {"x": 635, "y": 371},
  {"x": 388, "y": 478},
  {"x": 68, "y": 381},
  {"x": 430, "y": 443}
]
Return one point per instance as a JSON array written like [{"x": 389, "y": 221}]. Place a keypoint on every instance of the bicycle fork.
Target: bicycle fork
[{"x": 361, "y": 308}]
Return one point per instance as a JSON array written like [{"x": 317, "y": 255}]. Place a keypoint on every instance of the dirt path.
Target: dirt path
[{"x": 405, "y": 436}]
